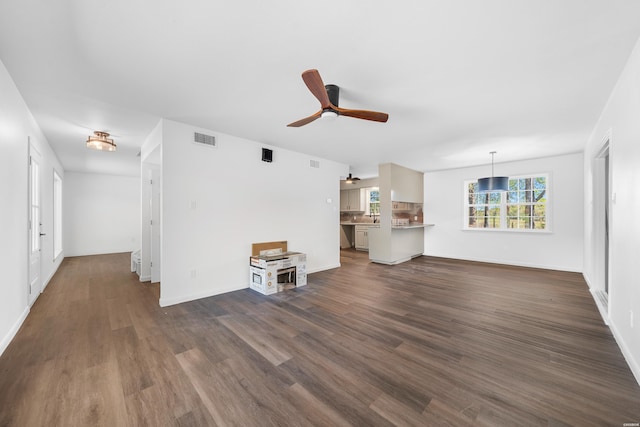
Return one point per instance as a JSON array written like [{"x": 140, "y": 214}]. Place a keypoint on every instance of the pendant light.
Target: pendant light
[
  {"x": 495, "y": 183},
  {"x": 101, "y": 141}
]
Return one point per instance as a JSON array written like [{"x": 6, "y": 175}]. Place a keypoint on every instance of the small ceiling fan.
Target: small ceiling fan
[
  {"x": 351, "y": 179},
  {"x": 328, "y": 96}
]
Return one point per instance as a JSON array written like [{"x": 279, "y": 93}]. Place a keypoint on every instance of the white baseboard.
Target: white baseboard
[
  {"x": 634, "y": 364},
  {"x": 145, "y": 278},
  {"x": 165, "y": 302},
  {"x": 323, "y": 268},
  {"x": 13, "y": 331},
  {"x": 502, "y": 262}
]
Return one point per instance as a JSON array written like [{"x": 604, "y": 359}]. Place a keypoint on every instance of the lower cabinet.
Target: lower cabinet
[{"x": 362, "y": 237}]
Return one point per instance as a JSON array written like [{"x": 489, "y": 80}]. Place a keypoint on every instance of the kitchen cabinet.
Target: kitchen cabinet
[
  {"x": 401, "y": 206},
  {"x": 362, "y": 237},
  {"x": 352, "y": 200}
]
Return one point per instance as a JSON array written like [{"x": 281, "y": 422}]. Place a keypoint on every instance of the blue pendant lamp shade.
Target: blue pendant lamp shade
[{"x": 494, "y": 183}]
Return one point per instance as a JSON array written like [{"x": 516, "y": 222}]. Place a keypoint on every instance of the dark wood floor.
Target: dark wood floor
[{"x": 431, "y": 342}]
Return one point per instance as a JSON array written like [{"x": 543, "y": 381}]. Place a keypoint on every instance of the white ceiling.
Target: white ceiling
[{"x": 458, "y": 78}]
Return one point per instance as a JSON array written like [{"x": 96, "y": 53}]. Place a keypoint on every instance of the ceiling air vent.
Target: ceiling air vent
[
  {"x": 314, "y": 163},
  {"x": 201, "y": 138}
]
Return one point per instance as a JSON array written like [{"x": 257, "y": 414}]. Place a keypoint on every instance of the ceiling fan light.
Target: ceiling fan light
[
  {"x": 329, "y": 114},
  {"x": 100, "y": 141}
]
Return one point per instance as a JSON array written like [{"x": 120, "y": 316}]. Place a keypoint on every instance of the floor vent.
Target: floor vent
[
  {"x": 201, "y": 138},
  {"x": 314, "y": 163}
]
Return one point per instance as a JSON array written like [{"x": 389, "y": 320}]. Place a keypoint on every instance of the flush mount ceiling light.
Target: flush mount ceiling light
[
  {"x": 351, "y": 179},
  {"x": 101, "y": 141},
  {"x": 329, "y": 114},
  {"x": 495, "y": 183}
]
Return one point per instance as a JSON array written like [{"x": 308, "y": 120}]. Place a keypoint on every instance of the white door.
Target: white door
[{"x": 35, "y": 226}]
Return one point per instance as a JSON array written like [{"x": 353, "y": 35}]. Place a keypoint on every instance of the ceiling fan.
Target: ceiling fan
[
  {"x": 351, "y": 179},
  {"x": 328, "y": 96}
]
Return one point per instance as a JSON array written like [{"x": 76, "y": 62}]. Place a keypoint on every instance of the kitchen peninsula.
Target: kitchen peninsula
[{"x": 400, "y": 235}]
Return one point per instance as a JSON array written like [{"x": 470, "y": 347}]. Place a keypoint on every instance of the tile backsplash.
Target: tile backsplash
[
  {"x": 412, "y": 215},
  {"x": 356, "y": 217}
]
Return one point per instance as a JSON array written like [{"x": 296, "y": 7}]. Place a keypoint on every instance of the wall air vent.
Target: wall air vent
[
  {"x": 201, "y": 138},
  {"x": 314, "y": 163}
]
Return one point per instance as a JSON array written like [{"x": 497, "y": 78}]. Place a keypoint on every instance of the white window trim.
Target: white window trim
[
  {"x": 503, "y": 206},
  {"x": 367, "y": 195}
]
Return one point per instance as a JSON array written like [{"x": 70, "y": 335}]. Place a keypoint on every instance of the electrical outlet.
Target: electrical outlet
[{"x": 194, "y": 274}]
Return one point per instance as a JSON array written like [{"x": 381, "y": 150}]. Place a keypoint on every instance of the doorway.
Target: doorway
[
  {"x": 35, "y": 224},
  {"x": 602, "y": 228},
  {"x": 155, "y": 225}
]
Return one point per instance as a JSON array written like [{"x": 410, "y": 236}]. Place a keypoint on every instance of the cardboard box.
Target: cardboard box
[{"x": 263, "y": 274}]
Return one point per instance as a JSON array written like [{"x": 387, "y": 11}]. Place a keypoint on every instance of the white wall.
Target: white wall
[
  {"x": 216, "y": 202},
  {"x": 16, "y": 128},
  {"x": 559, "y": 250},
  {"x": 620, "y": 118},
  {"x": 101, "y": 214}
]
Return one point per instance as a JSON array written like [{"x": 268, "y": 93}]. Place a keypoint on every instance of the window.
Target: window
[
  {"x": 57, "y": 215},
  {"x": 523, "y": 207},
  {"x": 373, "y": 198}
]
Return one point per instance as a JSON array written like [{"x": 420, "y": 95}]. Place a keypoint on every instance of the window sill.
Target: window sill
[{"x": 509, "y": 230}]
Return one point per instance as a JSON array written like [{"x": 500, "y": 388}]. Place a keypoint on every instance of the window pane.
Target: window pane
[
  {"x": 540, "y": 183},
  {"x": 521, "y": 185},
  {"x": 474, "y": 223},
  {"x": 494, "y": 198},
  {"x": 493, "y": 222},
  {"x": 539, "y": 210}
]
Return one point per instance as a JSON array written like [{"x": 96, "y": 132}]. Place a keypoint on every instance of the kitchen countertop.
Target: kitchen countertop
[
  {"x": 395, "y": 227},
  {"x": 401, "y": 227}
]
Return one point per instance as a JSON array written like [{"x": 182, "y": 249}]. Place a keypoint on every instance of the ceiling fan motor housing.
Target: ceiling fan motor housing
[{"x": 333, "y": 92}]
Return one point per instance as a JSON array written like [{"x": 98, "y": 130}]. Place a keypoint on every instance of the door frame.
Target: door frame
[
  {"x": 33, "y": 292},
  {"x": 602, "y": 222}
]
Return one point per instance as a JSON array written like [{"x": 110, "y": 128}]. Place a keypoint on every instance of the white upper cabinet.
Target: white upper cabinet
[{"x": 352, "y": 200}]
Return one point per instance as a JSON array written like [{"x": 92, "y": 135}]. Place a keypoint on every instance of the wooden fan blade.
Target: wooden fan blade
[
  {"x": 306, "y": 120},
  {"x": 314, "y": 82},
  {"x": 363, "y": 114}
]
